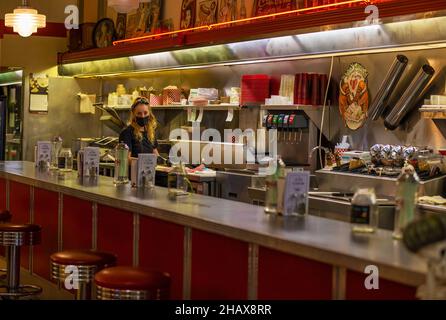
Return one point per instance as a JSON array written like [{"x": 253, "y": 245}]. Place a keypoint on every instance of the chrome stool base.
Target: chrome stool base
[
  {"x": 13, "y": 237},
  {"x": 20, "y": 292},
  {"x": 114, "y": 294},
  {"x": 84, "y": 280}
]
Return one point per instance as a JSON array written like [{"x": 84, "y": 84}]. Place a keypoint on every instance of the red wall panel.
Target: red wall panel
[
  {"x": 46, "y": 205},
  {"x": 2, "y": 206},
  {"x": 2, "y": 194},
  {"x": 77, "y": 223},
  {"x": 288, "y": 277},
  {"x": 219, "y": 267},
  {"x": 19, "y": 201},
  {"x": 115, "y": 233},
  {"x": 388, "y": 290},
  {"x": 161, "y": 248}
]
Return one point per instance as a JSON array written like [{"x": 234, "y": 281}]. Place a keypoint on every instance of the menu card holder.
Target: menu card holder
[
  {"x": 297, "y": 186},
  {"x": 43, "y": 154},
  {"x": 146, "y": 170},
  {"x": 91, "y": 162}
]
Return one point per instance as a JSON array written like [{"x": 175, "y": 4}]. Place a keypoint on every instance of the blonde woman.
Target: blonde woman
[{"x": 139, "y": 135}]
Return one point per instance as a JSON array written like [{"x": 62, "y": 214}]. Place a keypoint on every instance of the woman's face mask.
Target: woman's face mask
[{"x": 142, "y": 122}]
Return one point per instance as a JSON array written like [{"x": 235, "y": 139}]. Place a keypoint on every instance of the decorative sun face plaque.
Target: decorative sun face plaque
[{"x": 354, "y": 96}]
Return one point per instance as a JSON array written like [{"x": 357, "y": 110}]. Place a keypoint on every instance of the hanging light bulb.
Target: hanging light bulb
[
  {"x": 124, "y": 6},
  {"x": 25, "y": 20}
]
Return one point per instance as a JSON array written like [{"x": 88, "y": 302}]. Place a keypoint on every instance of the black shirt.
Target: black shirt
[{"x": 137, "y": 146}]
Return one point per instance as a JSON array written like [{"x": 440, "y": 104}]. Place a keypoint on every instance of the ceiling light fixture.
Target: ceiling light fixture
[{"x": 25, "y": 20}]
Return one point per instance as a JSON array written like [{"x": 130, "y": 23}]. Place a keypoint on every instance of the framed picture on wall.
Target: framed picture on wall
[
  {"x": 264, "y": 7},
  {"x": 242, "y": 13},
  {"x": 132, "y": 22},
  {"x": 207, "y": 12},
  {"x": 104, "y": 33},
  {"x": 38, "y": 92},
  {"x": 286, "y": 5},
  {"x": 153, "y": 21},
  {"x": 146, "y": 20},
  {"x": 188, "y": 14},
  {"x": 143, "y": 15},
  {"x": 121, "y": 25},
  {"x": 227, "y": 10}
]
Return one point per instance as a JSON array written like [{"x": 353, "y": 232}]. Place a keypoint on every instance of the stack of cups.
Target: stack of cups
[{"x": 310, "y": 89}]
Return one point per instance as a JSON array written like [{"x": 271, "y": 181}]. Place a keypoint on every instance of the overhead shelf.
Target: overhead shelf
[
  {"x": 233, "y": 44},
  {"x": 215, "y": 107},
  {"x": 290, "y": 107},
  {"x": 433, "y": 112}
]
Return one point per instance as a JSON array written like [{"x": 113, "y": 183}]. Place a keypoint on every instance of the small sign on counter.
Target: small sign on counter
[
  {"x": 91, "y": 162},
  {"x": 43, "y": 153},
  {"x": 144, "y": 170},
  {"x": 296, "y": 193}
]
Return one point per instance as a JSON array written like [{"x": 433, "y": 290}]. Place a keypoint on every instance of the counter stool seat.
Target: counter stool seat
[
  {"x": 13, "y": 237},
  {"x": 87, "y": 263},
  {"x": 129, "y": 283},
  {"x": 84, "y": 257}
]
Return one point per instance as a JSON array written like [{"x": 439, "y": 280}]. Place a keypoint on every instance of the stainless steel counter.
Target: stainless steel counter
[{"x": 316, "y": 238}]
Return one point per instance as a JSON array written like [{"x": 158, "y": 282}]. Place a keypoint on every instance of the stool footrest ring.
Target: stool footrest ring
[{"x": 21, "y": 291}]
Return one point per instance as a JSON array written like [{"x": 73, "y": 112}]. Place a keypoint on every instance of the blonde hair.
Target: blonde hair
[{"x": 151, "y": 125}]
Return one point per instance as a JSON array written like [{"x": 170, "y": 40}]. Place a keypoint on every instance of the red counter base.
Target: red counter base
[
  {"x": 2, "y": 206},
  {"x": 217, "y": 267},
  {"x": 388, "y": 290},
  {"x": 286, "y": 277}
]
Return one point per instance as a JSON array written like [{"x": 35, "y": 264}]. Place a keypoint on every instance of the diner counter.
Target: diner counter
[{"x": 314, "y": 238}]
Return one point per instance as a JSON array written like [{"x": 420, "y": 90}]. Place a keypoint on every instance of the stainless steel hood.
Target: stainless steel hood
[{"x": 417, "y": 33}]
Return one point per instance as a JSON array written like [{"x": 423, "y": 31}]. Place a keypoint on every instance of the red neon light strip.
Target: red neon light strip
[{"x": 209, "y": 27}]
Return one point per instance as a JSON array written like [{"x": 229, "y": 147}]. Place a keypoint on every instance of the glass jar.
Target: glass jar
[
  {"x": 364, "y": 211},
  {"x": 121, "y": 90},
  {"x": 177, "y": 181},
  {"x": 121, "y": 164},
  {"x": 65, "y": 160},
  {"x": 55, "y": 150}
]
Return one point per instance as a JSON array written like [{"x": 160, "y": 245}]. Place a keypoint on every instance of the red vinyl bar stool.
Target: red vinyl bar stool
[
  {"x": 85, "y": 262},
  {"x": 13, "y": 237},
  {"x": 129, "y": 283}
]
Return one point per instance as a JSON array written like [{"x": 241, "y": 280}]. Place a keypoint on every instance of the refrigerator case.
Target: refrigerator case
[{"x": 11, "y": 124}]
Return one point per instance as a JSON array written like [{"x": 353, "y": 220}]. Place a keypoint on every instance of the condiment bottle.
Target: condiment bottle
[
  {"x": 364, "y": 211},
  {"x": 406, "y": 199},
  {"x": 121, "y": 164},
  {"x": 272, "y": 181}
]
